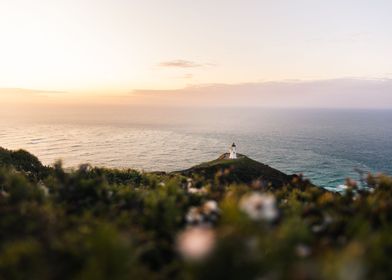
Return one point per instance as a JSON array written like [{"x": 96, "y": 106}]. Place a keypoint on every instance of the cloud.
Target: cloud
[
  {"x": 333, "y": 93},
  {"x": 180, "y": 63}
]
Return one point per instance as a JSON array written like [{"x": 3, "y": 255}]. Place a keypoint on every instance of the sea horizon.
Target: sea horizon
[{"x": 325, "y": 145}]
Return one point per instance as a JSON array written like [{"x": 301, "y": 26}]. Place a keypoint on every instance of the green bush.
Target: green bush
[{"x": 96, "y": 223}]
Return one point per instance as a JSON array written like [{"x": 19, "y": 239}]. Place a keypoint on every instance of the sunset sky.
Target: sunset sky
[{"x": 120, "y": 48}]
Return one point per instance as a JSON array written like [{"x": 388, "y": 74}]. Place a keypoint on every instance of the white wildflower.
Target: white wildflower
[
  {"x": 194, "y": 217},
  {"x": 4, "y": 194},
  {"x": 207, "y": 214},
  {"x": 197, "y": 191},
  {"x": 211, "y": 206},
  {"x": 43, "y": 188},
  {"x": 260, "y": 206},
  {"x": 189, "y": 183},
  {"x": 211, "y": 212},
  {"x": 196, "y": 243}
]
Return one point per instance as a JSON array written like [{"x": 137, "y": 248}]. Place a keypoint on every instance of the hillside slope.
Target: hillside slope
[
  {"x": 241, "y": 170},
  {"x": 23, "y": 161}
]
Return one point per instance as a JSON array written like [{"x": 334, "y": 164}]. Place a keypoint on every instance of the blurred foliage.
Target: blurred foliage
[
  {"x": 98, "y": 223},
  {"x": 25, "y": 162}
]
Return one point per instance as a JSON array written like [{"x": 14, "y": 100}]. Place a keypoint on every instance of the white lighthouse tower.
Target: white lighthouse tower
[{"x": 233, "y": 151}]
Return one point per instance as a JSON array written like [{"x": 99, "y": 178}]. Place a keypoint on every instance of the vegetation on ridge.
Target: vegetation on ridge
[
  {"x": 241, "y": 170},
  {"x": 95, "y": 223}
]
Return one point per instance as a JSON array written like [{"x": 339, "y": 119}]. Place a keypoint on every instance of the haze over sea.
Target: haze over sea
[{"x": 326, "y": 145}]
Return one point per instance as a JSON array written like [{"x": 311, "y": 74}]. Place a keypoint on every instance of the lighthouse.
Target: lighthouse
[{"x": 233, "y": 151}]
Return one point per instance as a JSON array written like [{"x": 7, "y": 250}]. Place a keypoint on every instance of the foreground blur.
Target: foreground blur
[{"x": 95, "y": 223}]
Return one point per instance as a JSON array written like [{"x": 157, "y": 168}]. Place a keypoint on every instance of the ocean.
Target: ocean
[{"x": 326, "y": 145}]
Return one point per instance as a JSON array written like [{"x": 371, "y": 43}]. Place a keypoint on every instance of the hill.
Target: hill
[
  {"x": 23, "y": 161},
  {"x": 240, "y": 170}
]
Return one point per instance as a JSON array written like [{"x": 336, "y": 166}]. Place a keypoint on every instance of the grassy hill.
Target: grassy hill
[
  {"x": 23, "y": 161},
  {"x": 240, "y": 170}
]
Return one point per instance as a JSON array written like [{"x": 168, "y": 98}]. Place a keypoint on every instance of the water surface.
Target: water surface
[{"x": 324, "y": 145}]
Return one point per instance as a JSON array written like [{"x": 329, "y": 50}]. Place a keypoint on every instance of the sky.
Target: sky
[{"x": 149, "y": 52}]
